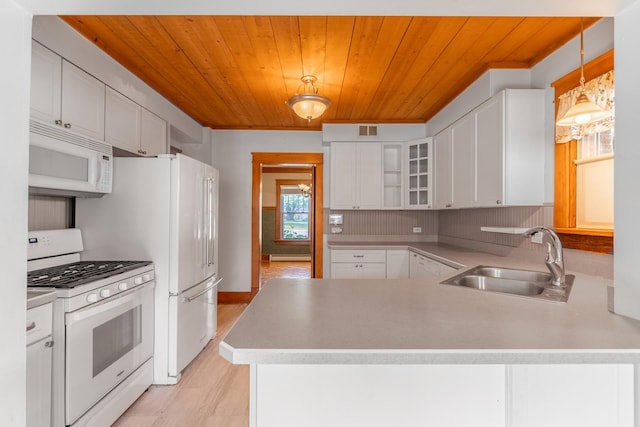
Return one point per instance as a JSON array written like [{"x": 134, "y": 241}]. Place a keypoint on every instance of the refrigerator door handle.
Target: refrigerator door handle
[
  {"x": 204, "y": 291},
  {"x": 209, "y": 220},
  {"x": 205, "y": 203}
]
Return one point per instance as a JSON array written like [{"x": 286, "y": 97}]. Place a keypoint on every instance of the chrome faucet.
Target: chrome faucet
[{"x": 555, "y": 262}]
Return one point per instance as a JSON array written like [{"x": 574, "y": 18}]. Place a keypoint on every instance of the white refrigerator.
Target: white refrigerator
[{"x": 163, "y": 209}]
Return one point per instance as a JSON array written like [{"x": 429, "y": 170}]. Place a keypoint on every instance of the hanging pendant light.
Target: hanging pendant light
[
  {"x": 584, "y": 111},
  {"x": 308, "y": 104}
]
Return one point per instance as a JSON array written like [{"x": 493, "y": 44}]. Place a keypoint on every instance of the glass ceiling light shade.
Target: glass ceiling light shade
[
  {"x": 584, "y": 111},
  {"x": 308, "y": 104}
]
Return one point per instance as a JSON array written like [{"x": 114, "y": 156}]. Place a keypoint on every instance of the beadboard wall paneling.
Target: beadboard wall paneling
[
  {"x": 49, "y": 213},
  {"x": 466, "y": 223},
  {"x": 385, "y": 222}
]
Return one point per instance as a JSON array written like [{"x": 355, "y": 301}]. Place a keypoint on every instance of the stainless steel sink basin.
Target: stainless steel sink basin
[{"x": 532, "y": 284}]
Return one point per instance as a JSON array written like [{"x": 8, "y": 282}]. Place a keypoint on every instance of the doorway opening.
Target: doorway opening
[{"x": 286, "y": 216}]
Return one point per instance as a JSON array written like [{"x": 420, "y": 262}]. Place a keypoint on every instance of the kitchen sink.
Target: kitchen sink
[{"x": 532, "y": 284}]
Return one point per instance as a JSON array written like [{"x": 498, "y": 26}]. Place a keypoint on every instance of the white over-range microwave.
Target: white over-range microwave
[{"x": 65, "y": 163}]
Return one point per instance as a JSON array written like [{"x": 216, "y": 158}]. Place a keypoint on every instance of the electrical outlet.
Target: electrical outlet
[
  {"x": 417, "y": 229},
  {"x": 336, "y": 230},
  {"x": 537, "y": 237}
]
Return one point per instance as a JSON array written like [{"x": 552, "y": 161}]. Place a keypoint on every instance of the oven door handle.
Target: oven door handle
[
  {"x": 107, "y": 304},
  {"x": 204, "y": 291}
]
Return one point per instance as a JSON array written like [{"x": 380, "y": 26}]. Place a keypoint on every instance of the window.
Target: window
[
  {"x": 293, "y": 211},
  {"x": 583, "y": 206}
]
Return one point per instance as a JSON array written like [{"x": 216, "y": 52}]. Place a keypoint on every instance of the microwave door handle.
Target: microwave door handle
[{"x": 99, "y": 170}]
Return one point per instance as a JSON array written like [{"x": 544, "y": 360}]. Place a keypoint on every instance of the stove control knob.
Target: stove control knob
[
  {"x": 137, "y": 280},
  {"x": 104, "y": 293},
  {"x": 92, "y": 297},
  {"x": 123, "y": 286}
]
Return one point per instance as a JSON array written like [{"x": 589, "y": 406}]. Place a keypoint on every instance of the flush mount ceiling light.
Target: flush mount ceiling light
[
  {"x": 584, "y": 111},
  {"x": 308, "y": 104}
]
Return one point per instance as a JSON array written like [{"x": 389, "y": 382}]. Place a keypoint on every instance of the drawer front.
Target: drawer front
[
  {"x": 39, "y": 322},
  {"x": 358, "y": 256},
  {"x": 352, "y": 270}
]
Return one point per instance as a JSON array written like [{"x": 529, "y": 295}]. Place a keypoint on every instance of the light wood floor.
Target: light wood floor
[{"x": 212, "y": 391}]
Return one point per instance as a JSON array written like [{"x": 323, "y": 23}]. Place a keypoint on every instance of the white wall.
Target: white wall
[
  {"x": 626, "y": 194},
  {"x": 231, "y": 154},
  {"x": 15, "y": 45}
]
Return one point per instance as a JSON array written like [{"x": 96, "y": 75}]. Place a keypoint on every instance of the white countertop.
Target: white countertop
[{"x": 339, "y": 321}]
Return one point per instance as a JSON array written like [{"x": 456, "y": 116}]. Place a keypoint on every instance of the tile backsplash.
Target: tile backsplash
[{"x": 380, "y": 223}]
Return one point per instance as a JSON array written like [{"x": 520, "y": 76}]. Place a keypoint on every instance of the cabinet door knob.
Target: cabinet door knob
[
  {"x": 31, "y": 326},
  {"x": 67, "y": 125},
  {"x": 498, "y": 202},
  {"x": 48, "y": 344},
  {"x": 58, "y": 122}
]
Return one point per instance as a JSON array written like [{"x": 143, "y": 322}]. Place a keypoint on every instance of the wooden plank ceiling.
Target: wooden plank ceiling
[{"x": 236, "y": 72}]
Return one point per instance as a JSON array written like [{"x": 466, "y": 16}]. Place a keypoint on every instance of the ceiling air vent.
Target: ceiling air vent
[{"x": 367, "y": 130}]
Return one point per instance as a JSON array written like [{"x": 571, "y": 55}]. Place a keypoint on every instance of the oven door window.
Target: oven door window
[
  {"x": 105, "y": 342},
  {"x": 115, "y": 338},
  {"x": 57, "y": 164}
]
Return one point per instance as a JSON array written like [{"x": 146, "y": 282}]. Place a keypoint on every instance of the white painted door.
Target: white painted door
[
  {"x": 443, "y": 170},
  {"x": 397, "y": 264},
  {"x": 83, "y": 102},
  {"x": 463, "y": 162},
  {"x": 489, "y": 152},
  {"x": 122, "y": 122},
  {"x": 343, "y": 176},
  {"x": 46, "y": 83},
  {"x": 153, "y": 134},
  {"x": 368, "y": 175}
]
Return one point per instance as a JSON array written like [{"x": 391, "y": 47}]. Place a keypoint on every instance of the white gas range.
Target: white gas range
[{"x": 102, "y": 328}]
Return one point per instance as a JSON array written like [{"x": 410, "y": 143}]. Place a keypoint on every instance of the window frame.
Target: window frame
[
  {"x": 279, "y": 240},
  {"x": 564, "y": 211}
]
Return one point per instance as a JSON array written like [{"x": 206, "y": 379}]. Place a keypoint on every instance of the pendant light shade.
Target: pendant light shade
[
  {"x": 584, "y": 111},
  {"x": 308, "y": 104}
]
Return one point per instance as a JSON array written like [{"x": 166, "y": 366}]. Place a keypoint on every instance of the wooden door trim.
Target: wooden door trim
[{"x": 258, "y": 160}]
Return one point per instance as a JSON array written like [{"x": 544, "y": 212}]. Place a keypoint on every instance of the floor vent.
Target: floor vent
[
  {"x": 367, "y": 130},
  {"x": 285, "y": 257}
]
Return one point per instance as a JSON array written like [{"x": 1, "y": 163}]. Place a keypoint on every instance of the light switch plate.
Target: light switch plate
[{"x": 335, "y": 219}]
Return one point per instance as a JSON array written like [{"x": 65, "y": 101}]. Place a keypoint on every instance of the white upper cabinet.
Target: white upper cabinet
[
  {"x": 509, "y": 149},
  {"x": 64, "y": 95},
  {"x": 453, "y": 165},
  {"x": 462, "y": 162},
  {"x": 132, "y": 128},
  {"x": 494, "y": 155},
  {"x": 443, "y": 169},
  {"x": 153, "y": 134},
  {"x": 356, "y": 175},
  {"x": 46, "y": 83},
  {"x": 419, "y": 175},
  {"x": 122, "y": 122}
]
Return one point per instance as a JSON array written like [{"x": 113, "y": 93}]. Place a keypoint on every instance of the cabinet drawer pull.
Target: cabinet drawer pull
[
  {"x": 448, "y": 205},
  {"x": 358, "y": 256},
  {"x": 31, "y": 326}
]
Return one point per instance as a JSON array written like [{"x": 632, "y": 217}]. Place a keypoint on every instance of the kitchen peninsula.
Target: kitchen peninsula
[{"x": 410, "y": 352}]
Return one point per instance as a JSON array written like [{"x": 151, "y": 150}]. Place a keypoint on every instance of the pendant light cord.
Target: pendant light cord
[{"x": 582, "y": 54}]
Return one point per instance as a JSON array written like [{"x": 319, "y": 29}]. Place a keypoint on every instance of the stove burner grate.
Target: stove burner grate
[{"x": 80, "y": 273}]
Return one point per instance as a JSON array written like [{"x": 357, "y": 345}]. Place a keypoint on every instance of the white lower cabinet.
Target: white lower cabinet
[
  {"x": 39, "y": 352},
  {"x": 358, "y": 264},
  {"x": 422, "y": 267},
  {"x": 443, "y": 395},
  {"x": 397, "y": 264},
  {"x": 571, "y": 395}
]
